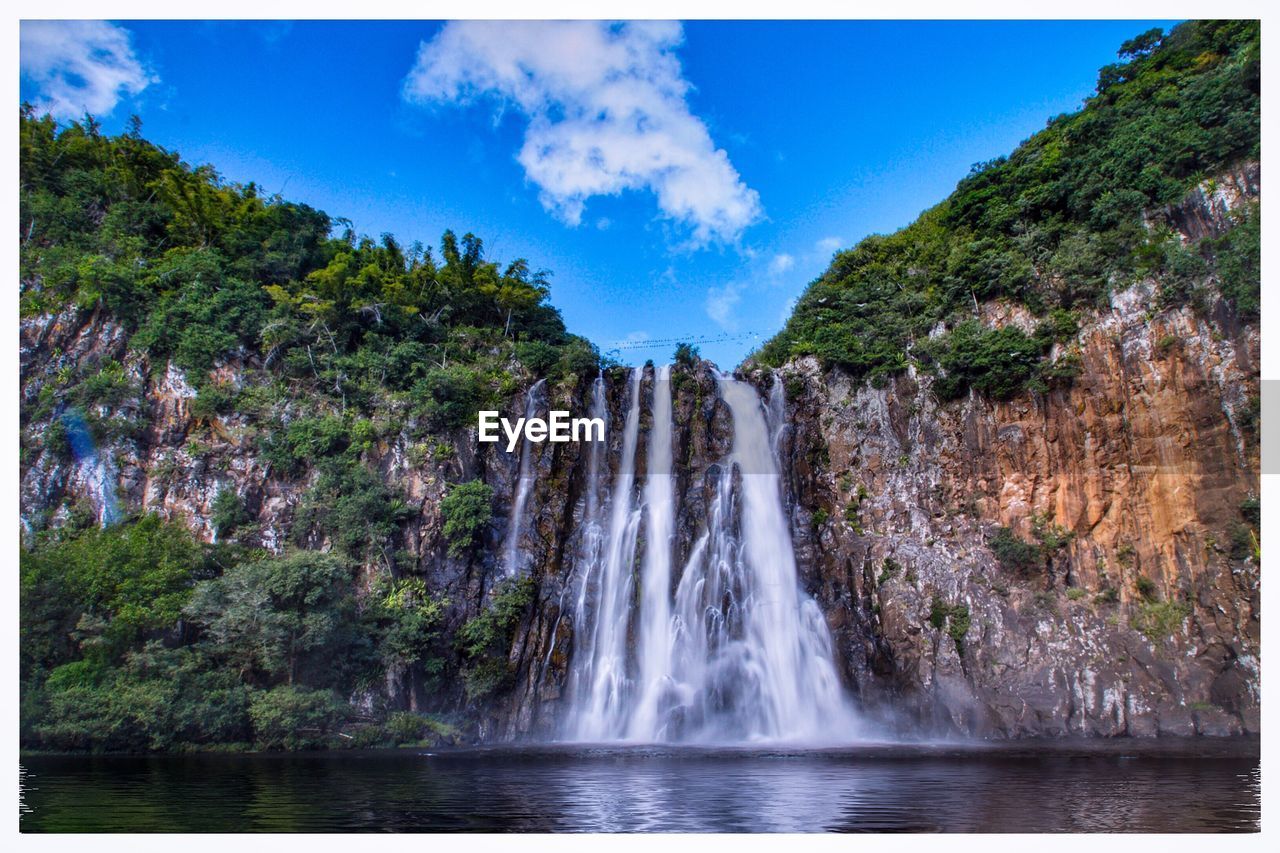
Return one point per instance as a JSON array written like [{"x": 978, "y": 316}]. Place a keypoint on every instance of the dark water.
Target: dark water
[{"x": 1183, "y": 787}]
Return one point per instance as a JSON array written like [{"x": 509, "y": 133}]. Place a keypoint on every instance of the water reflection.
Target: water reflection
[{"x": 639, "y": 790}]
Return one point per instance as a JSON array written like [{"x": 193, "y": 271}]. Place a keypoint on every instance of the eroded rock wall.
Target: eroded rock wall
[{"x": 1143, "y": 620}]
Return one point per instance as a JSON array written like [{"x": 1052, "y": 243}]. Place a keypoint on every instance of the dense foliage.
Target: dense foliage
[
  {"x": 138, "y": 637},
  {"x": 1054, "y": 225},
  {"x": 466, "y": 509},
  {"x": 373, "y": 336}
]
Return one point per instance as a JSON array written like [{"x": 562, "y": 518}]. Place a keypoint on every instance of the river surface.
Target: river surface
[{"x": 1162, "y": 786}]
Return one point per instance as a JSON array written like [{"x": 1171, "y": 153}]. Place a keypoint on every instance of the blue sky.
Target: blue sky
[{"x": 679, "y": 181}]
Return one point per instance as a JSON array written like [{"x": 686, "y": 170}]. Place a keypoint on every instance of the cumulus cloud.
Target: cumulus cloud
[
  {"x": 80, "y": 66},
  {"x": 607, "y": 112},
  {"x": 781, "y": 263},
  {"x": 829, "y": 244},
  {"x": 720, "y": 305}
]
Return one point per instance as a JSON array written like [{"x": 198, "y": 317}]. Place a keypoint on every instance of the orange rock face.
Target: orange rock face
[{"x": 1136, "y": 481}]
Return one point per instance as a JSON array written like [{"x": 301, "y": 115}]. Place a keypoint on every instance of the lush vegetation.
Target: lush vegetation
[
  {"x": 466, "y": 509},
  {"x": 1054, "y": 226},
  {"x": 138, "y": 637},
  {"x": 371, "y": 335}
]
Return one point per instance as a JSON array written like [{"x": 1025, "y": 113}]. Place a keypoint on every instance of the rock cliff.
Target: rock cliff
[{"x": 1073, "y": 562}]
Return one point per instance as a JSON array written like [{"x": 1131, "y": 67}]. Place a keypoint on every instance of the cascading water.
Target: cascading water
[
  {"x": 777, "y": 419},
  {"x": 591, "y": 542},
  {"x": 737, "y": 652},
  {"x": 772, "y": 643},
  {"x": 600, "y": 662},
  {"x": 513, "y": 558},
  {"x": 655, "y": 577}
]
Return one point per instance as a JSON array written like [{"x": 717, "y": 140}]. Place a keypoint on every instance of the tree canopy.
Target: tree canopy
[{"x": 1060, "y": 220}]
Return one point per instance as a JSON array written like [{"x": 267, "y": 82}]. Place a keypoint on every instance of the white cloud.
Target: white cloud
[
  {"x": 80, "y": 66},
  {"x": 781, "y": 263},
  {"x": 829, "y": 244},
  {"x": 607, "y": 113},
  {"x": 720, "y": 304}
]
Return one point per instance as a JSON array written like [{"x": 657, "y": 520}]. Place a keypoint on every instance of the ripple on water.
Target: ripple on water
[{"x": 928, "y": 787}]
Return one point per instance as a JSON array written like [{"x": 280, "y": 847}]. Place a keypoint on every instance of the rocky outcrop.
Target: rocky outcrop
[
  {"x": 1134, "y": 483},
  {"x": 1140, "y": 469},
  {"x": 1137, "y": 614}
]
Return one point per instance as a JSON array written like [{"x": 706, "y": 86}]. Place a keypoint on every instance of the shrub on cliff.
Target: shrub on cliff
[
  {"x": 1014, "y": 554},
  {"x": 686, "y": 356},
  {"x": 955, "y": 617},
  {"x": 1237, "y": 256},
  {"x": 295, "y": 446},
  {"x": 1158, "y": 620},
  {"x": 228, "y": 513},
  {"x": 448, "y": 397},
  {"x": 353, "y": 508},
  {"x": 996, "y": 362},
  {"x": 485, "y": 638},
  {"x": 467, "y": 508}
]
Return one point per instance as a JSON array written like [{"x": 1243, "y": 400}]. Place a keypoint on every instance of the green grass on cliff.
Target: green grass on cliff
[{"x": 1054, "y": 225}]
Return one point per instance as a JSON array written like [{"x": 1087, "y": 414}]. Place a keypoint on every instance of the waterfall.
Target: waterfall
[
  {"x": 786, "y": 684},
  {"x": 777, "y": 419},
  {"x": 655, "y": 597},
  {"x": 602, "y": 706},
  {"x": 737, "y": 651},
  {"x": 513, "y": 557},
  {"x": 591, "y": 543}
]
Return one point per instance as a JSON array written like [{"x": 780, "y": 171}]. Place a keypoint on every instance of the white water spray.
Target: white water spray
[
  {"x": 655, "y": 597},
  {"x": 513, "y": 559},
  {"x": 737, "y": 652},
  {"x": 601, "y": 660},
  {"x": 590, "y": 554}
]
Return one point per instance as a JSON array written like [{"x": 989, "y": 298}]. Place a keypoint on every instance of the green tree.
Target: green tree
[
  {"x": 112, "y": 586},
  {"x": 279, "y": 616}
]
